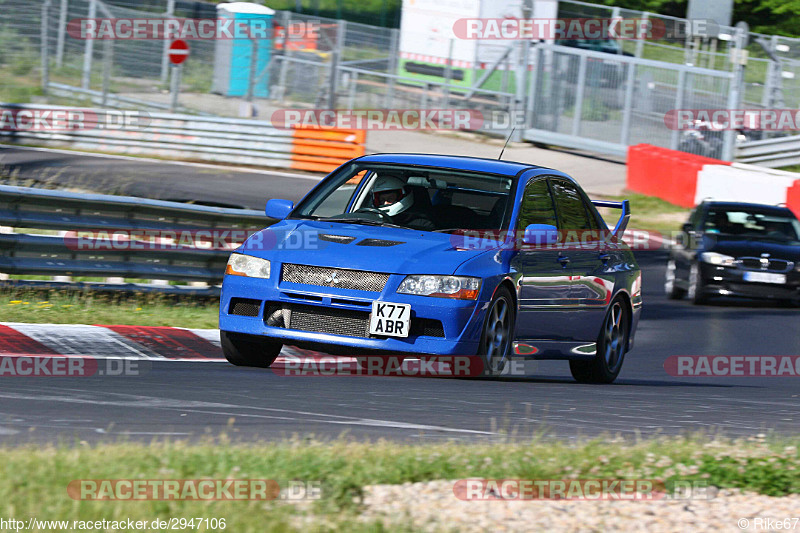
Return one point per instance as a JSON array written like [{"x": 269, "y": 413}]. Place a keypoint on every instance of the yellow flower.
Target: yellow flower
[
  {"x": 138, "y": 309},
  {"x": 43, "y": 303},
  {"x": 14, "y": 302},
  {"x": 25, "y": 303}
]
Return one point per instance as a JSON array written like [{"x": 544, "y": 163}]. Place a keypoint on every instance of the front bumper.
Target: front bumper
[
  {"x": 729, "y": 281},
  {"x": 460, "y": 320}
]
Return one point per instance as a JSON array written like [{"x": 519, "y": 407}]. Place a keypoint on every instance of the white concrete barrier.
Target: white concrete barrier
[{"x": 744, "y": 183}]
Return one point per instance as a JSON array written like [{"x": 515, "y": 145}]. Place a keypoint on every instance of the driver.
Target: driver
[{"x": 391, "y": 196}]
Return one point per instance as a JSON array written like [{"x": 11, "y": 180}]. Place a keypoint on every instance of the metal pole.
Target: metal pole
[
  {"x": 625, "y": 134},
  {"x": 108, "y": 59},
  {"x": 88, "y": 50},
  {"x": 394, "y": 46},
  {"x": 62, "y": 30},
  {"x": 735, "y": 93},
  {"x": 674, "y": 140},
  {"x": 177, "y": 71},
  {"x": 335, "y": 58},
  {"x": 533, "y": 89},
  {"x": 45, "y": 46},
  {"x": 251, "y": 79},
  {"x": 640, "y": 39},
  {"x": 448, "y": 77},
  {"x": 287, "y": 20},
  {"x": 579, "y": 92},
  {"x": 165, "y": 50}
]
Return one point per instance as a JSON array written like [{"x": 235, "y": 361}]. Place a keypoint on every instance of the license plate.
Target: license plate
[
  {"x": 390, "y": 319},
  {"x": 765, "y": 277}
]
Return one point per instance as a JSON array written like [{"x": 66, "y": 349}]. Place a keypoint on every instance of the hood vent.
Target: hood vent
[
  {"x": 341, "y": 239},
  {"x": 378, "y": 242}
]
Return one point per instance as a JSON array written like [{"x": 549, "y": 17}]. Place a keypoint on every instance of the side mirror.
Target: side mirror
[
  {"x": 279, "y": 209},
  {"x": 687, "y": 228},
  {"x": 540, "y": 234}
]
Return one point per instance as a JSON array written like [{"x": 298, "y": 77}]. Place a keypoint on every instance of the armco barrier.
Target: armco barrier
[
  {"x": 744, "y": 183},
  {"x": 667, "y": 174},
  {"x": 237, "y": 141},
  {"x": 109, "y": 248}
]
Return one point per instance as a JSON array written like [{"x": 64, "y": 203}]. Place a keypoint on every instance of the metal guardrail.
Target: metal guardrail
[
  {"x": 239, "y": 141},
  {"x": 772, "y": 153},
  {"x": 85, "y": 221}
]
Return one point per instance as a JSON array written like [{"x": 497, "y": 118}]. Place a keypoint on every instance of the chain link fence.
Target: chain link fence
[{"x": 569, "y": 96}]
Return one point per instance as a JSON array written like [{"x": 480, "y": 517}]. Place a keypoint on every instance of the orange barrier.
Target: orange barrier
[
  {"x": 667, "y": 174},
  {"x": 323, "y": 150},
  {"x": 793, "y": 198}
]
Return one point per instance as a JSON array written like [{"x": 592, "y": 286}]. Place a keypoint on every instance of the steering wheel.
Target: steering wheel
[{"x": 374, "y": 211}]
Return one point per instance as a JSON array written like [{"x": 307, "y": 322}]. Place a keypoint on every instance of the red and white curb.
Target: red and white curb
[{"x": 158, "y": 343}]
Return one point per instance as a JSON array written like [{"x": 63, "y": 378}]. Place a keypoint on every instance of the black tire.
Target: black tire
[
  {"x": 673, "y": 291},
  {"x": 697, "y": 291},
  {"x": 249, "y": 350},
  {"x": 497, "y": 336},
  {"x": 612, "y": 342}
]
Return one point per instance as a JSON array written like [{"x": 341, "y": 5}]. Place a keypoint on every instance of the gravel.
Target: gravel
[{"x": 432, "y": 507}]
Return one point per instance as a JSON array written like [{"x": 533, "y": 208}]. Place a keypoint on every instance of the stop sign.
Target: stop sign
[{"x": 178, "y": 51}]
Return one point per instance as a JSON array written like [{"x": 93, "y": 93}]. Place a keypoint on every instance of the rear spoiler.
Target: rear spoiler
[{"x": 622, "y": 223}]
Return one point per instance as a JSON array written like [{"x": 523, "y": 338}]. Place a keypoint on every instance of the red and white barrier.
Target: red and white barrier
[{"x": 686, "y": 179}]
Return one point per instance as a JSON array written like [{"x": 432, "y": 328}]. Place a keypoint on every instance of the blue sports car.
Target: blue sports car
[{"x": 437, "y": 255}]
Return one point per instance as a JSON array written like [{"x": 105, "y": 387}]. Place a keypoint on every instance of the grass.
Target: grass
[
  {"x": 36, "y": 477},
  {"x": 648, "y": 213},
  {"x": 62, "y": 307}
]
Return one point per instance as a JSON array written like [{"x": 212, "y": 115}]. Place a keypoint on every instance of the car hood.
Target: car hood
[
  {"x": 359, "y": 247},
  {"x": 750, "y": 247}
]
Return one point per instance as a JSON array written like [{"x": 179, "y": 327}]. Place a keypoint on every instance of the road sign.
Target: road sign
[{"x": 178, "y": 51}]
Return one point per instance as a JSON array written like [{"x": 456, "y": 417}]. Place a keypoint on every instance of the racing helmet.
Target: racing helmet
[{"x": 390, "y": 196}]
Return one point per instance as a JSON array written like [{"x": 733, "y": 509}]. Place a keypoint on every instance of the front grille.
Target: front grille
[
  {"x": 244, "y": 307},
  {"x": 334, "y": 277},
  {"x": 773, "y": 265},
  {"x": 347, "y": 322}
]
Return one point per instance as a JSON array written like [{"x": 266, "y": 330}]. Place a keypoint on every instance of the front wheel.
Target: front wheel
[
  {"x": 498, "y": 329},
  {"x": 673, "y": 291},
  {"x": 249, "y": 350},
  {"x": 611, "y": 345},
  {"x": 697, "y": 290}
]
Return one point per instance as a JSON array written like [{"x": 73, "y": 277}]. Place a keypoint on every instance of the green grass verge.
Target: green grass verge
[
  {"x": 62, "y": 307},
  {"x": 648, "y": 213},
  {"x": 36, "y": 478}
]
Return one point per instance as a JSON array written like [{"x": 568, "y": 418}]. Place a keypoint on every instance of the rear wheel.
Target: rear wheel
[
  {"x": 611, "y": 345},
  {"x": 673, "y": 291},
  {"x": 249, "y": 350},
  {"x": 498, "y": 329}
]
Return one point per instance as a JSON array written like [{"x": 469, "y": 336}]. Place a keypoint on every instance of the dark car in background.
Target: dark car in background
[{"x": 736, "y": 249}]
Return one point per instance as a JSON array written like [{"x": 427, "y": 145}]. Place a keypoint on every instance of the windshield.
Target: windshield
[
  {"x": 754, "y": 224},
  {"x": 419, "y": 198}
]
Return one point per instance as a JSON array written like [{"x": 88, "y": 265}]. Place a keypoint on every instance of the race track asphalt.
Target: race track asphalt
[{"x": 191, "y": 401}]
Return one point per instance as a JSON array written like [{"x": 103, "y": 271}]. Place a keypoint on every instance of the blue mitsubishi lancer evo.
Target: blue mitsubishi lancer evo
[{"x": 418, "y": 255}]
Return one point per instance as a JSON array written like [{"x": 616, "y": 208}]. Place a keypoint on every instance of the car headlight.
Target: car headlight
[
  {"x": 717, "y": 259},
  {"x": 460, "y": 287},
  {"x": 247, "y": 265}
]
